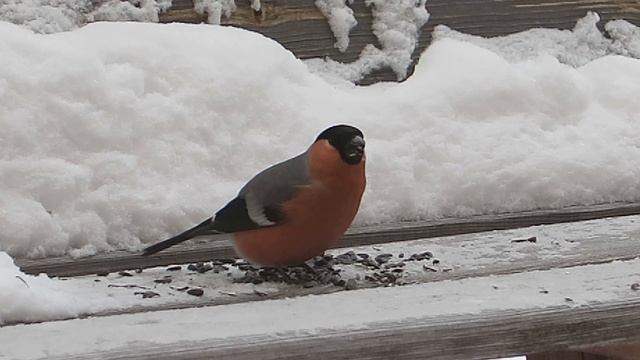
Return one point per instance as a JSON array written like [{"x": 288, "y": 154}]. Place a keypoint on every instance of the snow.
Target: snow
[
  {"x": 458, "y": 256},
  {"x": 30, "y": 298},
  {"x": 142, "y": 10},
  {"x": 119, "y": 134},
  {"x": 576, "y": 47},
  {"x": 214, "y": 9},
  {"x": 52, "y": 16},
  {"x": 396, "y": 25},
  {"x": 341, "y": 20},
  {"x": 429, "y": 303}
]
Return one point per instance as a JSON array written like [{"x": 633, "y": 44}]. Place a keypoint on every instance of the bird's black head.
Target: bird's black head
[{"x": 349, "y": 142}]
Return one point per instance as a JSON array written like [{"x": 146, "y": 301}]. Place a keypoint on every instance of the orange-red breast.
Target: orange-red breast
[{"x": 294, "y": 210}]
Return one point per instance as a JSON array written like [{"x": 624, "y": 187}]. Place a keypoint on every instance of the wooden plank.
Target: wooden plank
[
  {"x": 300, "y": 27},
  {"x": 218, "y": 247},
  {"x": 460, "y": 257},
  {"x": 441, "y": 323},
  {"x": 566, "y": 355}
]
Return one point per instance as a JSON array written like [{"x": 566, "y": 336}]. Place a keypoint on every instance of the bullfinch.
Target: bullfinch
[{"x": 296, "y": 209}]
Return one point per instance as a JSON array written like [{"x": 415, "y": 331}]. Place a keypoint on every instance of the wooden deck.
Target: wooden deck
[
  {"x": 525, "y": 311},
  {"x": 569, "y": 290},
  {"x": 218, "y": 246}
]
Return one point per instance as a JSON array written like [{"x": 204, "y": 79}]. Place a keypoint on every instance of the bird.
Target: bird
[{"x": 296, "y": 209}]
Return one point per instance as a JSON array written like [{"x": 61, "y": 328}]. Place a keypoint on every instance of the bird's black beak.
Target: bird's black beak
[{"x": 355, "y": 149}]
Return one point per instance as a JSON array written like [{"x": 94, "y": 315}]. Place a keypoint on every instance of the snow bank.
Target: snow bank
[
  {"x": 30, "y": 298},
  {"x": 119, "y": 134},
  {"x": 52, "y": 16},
  {"x": 576, "y": 47}
]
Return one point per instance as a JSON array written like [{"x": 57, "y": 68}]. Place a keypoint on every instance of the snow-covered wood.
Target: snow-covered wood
[
  {"x": 477, "y": 318},
  {"x": 301, "y": 27},
  {"x": 217, "y": 247},
  {"x": 459, "y": 257}
]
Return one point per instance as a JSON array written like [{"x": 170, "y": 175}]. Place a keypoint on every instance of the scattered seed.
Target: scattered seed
[
  {"x": 310, "y": 284},
  {"x": 435, "y": 261},
  {"x": 531, "y": 239},
  {"x": 351, "y": 284},
  {"x": 568, "y": 299},
  {"x": 217, "y": 268},
  {"x": 182, "y": 289},
  {"x": 394, "y": 265},
  {"x": 543, "y": 291},
  {"x": 260, "y": 293},
  {"x": 383, "y": 258},
  {"x": 204, "y": 268},
  {"x": 340, "y": 283},
  {"x": 147, "y": 294},
  {"x": 421, "y": 256},
  {"x": 164, "y": 280},
  {"x": 128, "y": 286},
  {"x": 174, "y": 268},
  {"x": 370, "y": 263},
  {"x": 426, "y": 267},
  {"x": 195, "y": 292},
  {"x": 102, "y": 274},
  {"x": 347, "y": 258},
  {"x": 125, "y": 274}
]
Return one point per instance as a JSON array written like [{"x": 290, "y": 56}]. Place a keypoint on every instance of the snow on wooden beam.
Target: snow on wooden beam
[
  {"x": 475, "y": 318},
  {"x": 300, "y": 27},
  {"x": 218, "y": 247},
  {"x": 497, "y": 253}
]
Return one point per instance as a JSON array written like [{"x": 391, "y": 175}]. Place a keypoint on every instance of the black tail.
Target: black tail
[{"x": 191, "y": 233}]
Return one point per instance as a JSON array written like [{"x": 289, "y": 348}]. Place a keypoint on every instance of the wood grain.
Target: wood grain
[
  {"x": 300, "y": 27},
  {"x": 466, "y": 336},
  {"x": 566, "y": 355},
  {"x": 219, "y": 246},
  {"x": 460, "y": 257}
]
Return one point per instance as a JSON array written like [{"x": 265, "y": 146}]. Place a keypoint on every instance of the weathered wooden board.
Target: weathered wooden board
[
  {"x": 372, "y": 324},
  {"x": 218, "y": 247},
  {"x": 460, "y": 257},
  {"x": 300, "y": 27},
  {"x": 565, "y": 355}
]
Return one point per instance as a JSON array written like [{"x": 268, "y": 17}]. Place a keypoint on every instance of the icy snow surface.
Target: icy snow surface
[{"x": 118, "y": 134}]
